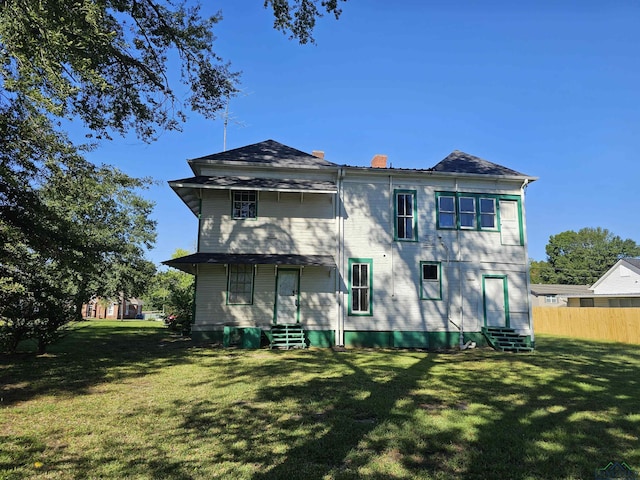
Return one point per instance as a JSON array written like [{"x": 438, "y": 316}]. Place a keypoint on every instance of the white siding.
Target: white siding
[
  {"x": 317, "y": 299},
  {"x": 621, "y": 280},
  {"x": 294, "y": 223},
  {"x": 306, "y": 224}
]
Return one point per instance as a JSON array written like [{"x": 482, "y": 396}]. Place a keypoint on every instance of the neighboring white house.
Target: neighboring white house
[
  {"x": 618, "y": 287},
  {"x": 357, "y": 256}
]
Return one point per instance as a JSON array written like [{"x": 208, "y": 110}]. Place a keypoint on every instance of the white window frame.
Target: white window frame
[
  {"x": 465, "y": 214},
  {"x": 447, "y": 213},
  {"x": 358, "y": 286},
  {"x": 493, "y": 214},
  {"x": 244, "y": 205},
  {"x": 408, "y": 197},
  {"x": 240, "y": 280}
]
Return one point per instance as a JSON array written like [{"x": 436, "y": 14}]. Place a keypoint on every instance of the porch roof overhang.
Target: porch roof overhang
[
  {"x": 188, "y": 263},
  {"x": 188, "y": 188}
]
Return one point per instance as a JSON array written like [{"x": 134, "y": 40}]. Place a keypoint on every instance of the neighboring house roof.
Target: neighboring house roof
[
  {"x": 268, "y": 153},
  {"x": 538, "y": 289},
  {"x": 187, "y": 263},
  {"x": 632, "y": 263}
]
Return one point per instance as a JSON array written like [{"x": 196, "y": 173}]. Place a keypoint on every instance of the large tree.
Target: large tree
[
  {"x": 107, "y": 62},
  {"x": 69, "y": 229},
  {"x": 580, "y": 258}
]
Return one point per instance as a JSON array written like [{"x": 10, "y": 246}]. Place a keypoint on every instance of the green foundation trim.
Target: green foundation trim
[
  {"x": 251, "y": 337},
  {"x": 410, "y": 339},
  {"x": 320, "y": 338}
]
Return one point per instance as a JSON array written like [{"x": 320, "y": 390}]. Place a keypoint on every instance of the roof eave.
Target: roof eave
[
  {"x": 175, "y": 185},
  {"x": 429, "y": 172}
]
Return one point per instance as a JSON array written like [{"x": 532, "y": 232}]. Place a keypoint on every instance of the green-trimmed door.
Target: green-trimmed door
[
  {"x": 287, "y": 296},
  {"x": 496, "y": 300}
]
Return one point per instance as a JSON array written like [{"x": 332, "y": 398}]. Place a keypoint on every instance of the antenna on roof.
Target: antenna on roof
[{"x": 226, "y": 116}]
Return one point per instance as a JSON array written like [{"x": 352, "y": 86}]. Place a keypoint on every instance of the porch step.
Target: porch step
[
  {"x": 287, "y": 336},
  {"x": 506, "y": 339}
]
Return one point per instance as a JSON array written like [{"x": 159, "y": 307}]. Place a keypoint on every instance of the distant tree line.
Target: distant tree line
[{"x": 582, "y": 257}]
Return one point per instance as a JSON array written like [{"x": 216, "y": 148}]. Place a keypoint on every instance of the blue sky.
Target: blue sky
[{"x": 548, "y": 88}]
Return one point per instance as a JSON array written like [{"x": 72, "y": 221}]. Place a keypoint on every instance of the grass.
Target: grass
[{"x": 127, "y": 400}]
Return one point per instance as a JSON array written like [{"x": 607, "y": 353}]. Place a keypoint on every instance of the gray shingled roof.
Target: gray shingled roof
[
  {"x": 460, "y": 162},
  {"x": 186, "y": 188},
  {"x": 633, "y": 261},
  {"x": 270, "y": 153},
  {"x": 186, "y": 263},
  {"x": 264, "y": 184}
]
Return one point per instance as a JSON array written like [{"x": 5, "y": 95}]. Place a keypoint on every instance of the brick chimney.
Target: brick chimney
[
  {"x": 318, "y": 153},
  {"x": 379, "y": 161}
]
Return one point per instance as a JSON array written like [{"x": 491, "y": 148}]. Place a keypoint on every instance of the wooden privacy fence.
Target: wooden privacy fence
[{"x": 614, "y": 324}]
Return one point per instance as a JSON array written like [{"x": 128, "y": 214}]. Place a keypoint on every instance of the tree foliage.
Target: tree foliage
[
  {"x": 580, "y": 258},
  {"x": 69, "y": 229},
  {"x": 72, "y": 232},
  {"x": 173, "y": 291}
]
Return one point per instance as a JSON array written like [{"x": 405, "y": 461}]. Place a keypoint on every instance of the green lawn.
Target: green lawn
[{"x": 127, "y": 400}]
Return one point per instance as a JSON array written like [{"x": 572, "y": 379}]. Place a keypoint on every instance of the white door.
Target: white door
[
  {"x": 287, "y": 296},
  {"x": 496, "y": 306},
  {"x": 509, "y": 222}
]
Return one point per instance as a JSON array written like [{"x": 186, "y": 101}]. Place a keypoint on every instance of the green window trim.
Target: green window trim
[
  {"x": 244, "y": 204},
  {"x": 356, "y": 292},
  {"x": 234, "y": 271},
  {"x": 450, "y": 211},
  {"x": 427, "y": 274},
  {"x": 405, "y": 215}
]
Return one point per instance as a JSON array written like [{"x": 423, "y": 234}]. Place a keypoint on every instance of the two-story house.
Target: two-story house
[{"x": 356, "y": 256}]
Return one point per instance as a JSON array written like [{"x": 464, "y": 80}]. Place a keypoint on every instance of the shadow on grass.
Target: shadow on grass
[
  {"x": 561, "y": 412},
  {"x": 89, "y": 355}
]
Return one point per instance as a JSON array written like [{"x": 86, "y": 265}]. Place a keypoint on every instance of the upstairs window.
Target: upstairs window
[
  {"x": 446, "y": 212},
  {"x": 244, "y": 205},
  {"x": 467, "y": 209},
  {"x": 488, "y": 213},
  {"x": 406, "y": 216},
  {"x": 476, "y": 211}
]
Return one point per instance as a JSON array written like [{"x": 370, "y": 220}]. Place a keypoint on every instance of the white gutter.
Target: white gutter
[
  {"x": 339, "y": 330},
  {"x": 526, "y": 258}
]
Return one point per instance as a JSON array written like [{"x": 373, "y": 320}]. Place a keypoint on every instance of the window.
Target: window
[
  {"x": 110, "y": 309},
  {"x": 586, "y": 302},
  {"x": 624, "y": 302},
  {"x": 551, "y": 299},
  {"x": 360, "y": 302},
  {"x": 240, "y": 285},
  {"x": 430, "y": 281},
  {"x": 467, "y": 209},
  {"x": 406, "y": 217},
  {"x": 446, "y": 212},
  {"x": 488, "y": 213},
  {"x": 474, "y": 211},
  {"x": 244, "y": 205}
]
